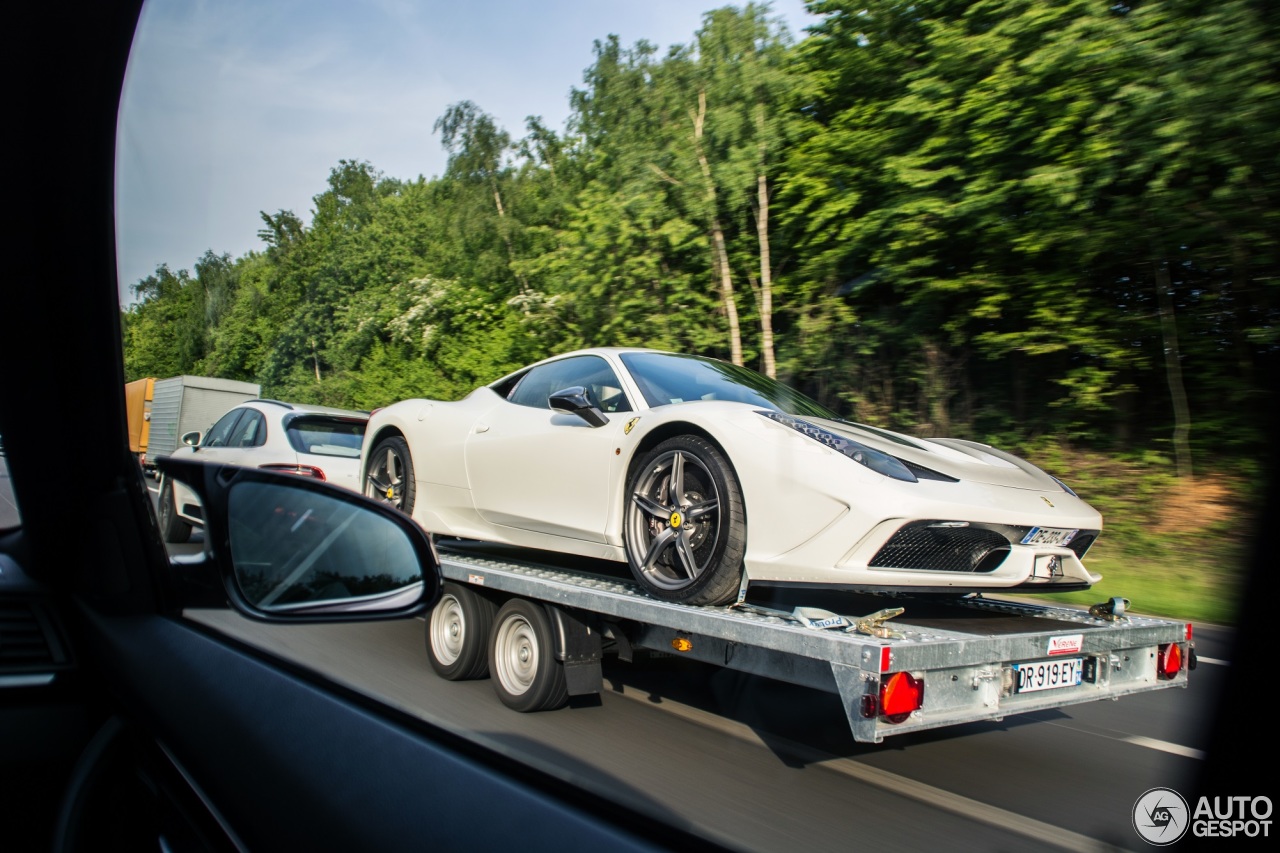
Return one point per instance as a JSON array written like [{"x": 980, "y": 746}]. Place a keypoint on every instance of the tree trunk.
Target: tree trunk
[
  {"x": 1173, "y": 367},
  {"x": 717, "y": 237},
  {"x": 766, "y": 272}
]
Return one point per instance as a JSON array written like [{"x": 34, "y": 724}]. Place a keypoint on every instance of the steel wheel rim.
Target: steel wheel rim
[
  {"x": 448, "y": 630},
  {"x": 675, "y": 556},
  {"x": 516, "y": 655},
  {"x": 385, "y": 480}
]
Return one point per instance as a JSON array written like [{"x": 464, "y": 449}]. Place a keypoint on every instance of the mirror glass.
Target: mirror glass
[{"x": 302, "y": 550}]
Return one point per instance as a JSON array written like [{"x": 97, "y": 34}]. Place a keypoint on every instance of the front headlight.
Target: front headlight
[{"x": 881, "y": 463}]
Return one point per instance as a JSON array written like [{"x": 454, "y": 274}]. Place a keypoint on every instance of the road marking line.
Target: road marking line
[
  {"x": 1165, "y": 746},
  {"x": 901, "y": 785}
]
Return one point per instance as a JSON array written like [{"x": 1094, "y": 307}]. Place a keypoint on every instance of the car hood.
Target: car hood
[{"x": 964, "y": 460}]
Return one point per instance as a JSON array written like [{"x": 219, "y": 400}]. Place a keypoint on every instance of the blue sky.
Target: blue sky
[{"x": 233, "y": 107}]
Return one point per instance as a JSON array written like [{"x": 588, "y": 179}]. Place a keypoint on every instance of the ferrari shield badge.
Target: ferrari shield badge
[{"x": 626, "y": 430}]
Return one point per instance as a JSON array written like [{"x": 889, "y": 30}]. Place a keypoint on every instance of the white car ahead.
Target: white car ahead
[{"x": 311, "y": 441}]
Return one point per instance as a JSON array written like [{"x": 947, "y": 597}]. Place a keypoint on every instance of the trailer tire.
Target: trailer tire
[
  {"x": 172, "y": 527},
  {"x": 458, "y": 630},
  {"x": 522, "y": 658},
  {"x": 389, "y": 475},
  {"x": 685, "y": 523}
]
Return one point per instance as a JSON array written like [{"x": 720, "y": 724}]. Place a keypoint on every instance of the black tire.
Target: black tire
[
  {"x": 522, "y": 658},
  {"x": 389, "y": 474},
  {"x": 172, "y": 527},
  {"x": 458, "y": 630},
  {"x": 684, "y": 523}
]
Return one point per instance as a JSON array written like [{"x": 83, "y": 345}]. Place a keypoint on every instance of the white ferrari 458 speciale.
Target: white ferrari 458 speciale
[{"x": 705, "y": 477}]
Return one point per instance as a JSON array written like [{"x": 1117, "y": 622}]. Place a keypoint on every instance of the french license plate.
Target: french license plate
[
  {"x": 1056, "y": 536},
  {"x": 1047, "y": 674}
]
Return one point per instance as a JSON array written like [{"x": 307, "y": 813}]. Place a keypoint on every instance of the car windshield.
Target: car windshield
[
  {"x": 666, "y": 378},
  {"x": 326, "y": 436}
]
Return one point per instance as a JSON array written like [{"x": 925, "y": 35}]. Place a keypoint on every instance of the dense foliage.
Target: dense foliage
[{"x": 986, "y": 218}]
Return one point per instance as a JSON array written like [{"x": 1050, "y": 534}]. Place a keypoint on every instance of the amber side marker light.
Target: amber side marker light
[
  {"x": 1168, "y": 661},
  {"x": 900, "y": 694},
  {"x": 682, "y": 644}
]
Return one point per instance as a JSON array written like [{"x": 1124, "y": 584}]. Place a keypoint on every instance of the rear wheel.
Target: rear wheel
[
  {"x": 389, "y": 475},
  {"x": 172, "y": 527},
  {"x": 685, "y": 526},
  {"x": 458, "y": 633},
  {"x": 522, "y": 658}
]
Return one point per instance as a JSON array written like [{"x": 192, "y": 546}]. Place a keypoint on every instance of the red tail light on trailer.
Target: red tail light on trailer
[
  {"x": 1169, "y": 659},
  {"x": 899, "y": 695}
]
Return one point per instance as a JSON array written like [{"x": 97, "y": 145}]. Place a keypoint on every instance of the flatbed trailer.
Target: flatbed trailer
[{"x": 899, "y": 663}]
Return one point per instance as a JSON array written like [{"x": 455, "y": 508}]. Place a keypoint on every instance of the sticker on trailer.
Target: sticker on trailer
[
  {"x": 1066, "y": 645},
  {"x": 478, "y": 580}
]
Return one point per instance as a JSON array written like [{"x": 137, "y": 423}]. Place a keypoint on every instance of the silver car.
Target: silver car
[{"x": 311, "y": 441}]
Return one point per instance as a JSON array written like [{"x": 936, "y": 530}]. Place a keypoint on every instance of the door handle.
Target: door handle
[{"x": 482, "y": 427}]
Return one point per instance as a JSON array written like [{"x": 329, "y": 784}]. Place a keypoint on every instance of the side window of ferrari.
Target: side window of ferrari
[{"x": 590, "y": 371}]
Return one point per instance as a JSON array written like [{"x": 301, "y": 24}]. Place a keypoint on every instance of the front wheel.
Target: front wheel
[
  {"x": 685, "y": 527},
  {"x": 389, "y": 475},
  {"x": 522, "y": 658},
  {"x": 458, "y": 633},
  {"x": 172, "y": 527}
]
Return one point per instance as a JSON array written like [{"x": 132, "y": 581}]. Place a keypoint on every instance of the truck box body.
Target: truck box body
[
  {"x": 186, "y": 403},
  {"x": 137, "y": 401}
]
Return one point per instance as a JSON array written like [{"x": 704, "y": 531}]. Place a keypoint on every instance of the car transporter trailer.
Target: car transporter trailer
[{"x": 540, "y": 631}]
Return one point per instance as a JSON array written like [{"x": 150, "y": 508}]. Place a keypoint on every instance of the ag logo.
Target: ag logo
[
  {"x": 1161, "y": 816},
  {"x": 626, "y": 430}
]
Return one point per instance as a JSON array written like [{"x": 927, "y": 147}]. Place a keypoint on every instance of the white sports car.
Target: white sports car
[{"x": 705, "y": 477}]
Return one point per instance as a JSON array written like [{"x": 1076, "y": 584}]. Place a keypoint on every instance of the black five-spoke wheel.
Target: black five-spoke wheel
[
  {"x": 685, "y": 528},
  {"x": 389, "y": 475}
]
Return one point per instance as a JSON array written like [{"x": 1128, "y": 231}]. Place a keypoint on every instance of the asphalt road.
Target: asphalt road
[{"x": 762, "y": 765}]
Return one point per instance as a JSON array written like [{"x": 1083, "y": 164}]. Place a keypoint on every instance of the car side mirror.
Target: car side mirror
[
  {"x": 191, "y": 439},
  {"x": 290, "y": 549},
  {"x": 576, "y": 401}
]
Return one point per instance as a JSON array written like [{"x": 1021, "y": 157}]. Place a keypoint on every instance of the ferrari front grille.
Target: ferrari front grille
[{"x": 940, "y": 547}]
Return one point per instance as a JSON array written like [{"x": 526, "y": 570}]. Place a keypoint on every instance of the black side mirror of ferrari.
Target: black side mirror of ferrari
[
  {"x": 576, "y": 401},
  {"x": 293, "y": 549}
]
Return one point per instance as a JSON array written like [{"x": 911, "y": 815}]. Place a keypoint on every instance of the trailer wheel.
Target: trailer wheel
[
  {"x": 458, "y": 631},
  {"x": 522, "y": 659},
  {"x": 389, "y": 476},
  {"x": 685, "y": 526},
  {"x": 172, "y": 527}
]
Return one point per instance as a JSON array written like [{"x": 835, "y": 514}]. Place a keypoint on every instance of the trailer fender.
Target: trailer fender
[{"x": 578, "y": 645}]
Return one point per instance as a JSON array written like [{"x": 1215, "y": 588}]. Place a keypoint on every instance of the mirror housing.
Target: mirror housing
[
  {"x": 576, "y": 401},
  {"x": 291, "y": 549},
  {"x": 191, "y": 439}
]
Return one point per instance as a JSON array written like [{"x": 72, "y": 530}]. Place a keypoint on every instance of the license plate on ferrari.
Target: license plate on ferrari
[
  {"x": 1055, "y": 536},
  {"x": 1047, "y": 674}
]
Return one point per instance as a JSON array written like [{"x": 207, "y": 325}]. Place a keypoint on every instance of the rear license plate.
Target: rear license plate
[
  {"x": 1049, "y": 536},
  {"x": 1047, "y": 674}
]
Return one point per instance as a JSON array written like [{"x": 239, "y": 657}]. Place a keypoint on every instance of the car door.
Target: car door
[{"x": 548, "y": 472}]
